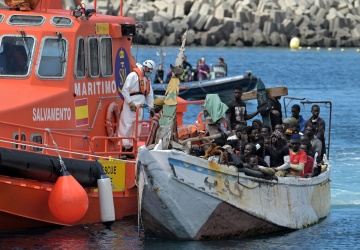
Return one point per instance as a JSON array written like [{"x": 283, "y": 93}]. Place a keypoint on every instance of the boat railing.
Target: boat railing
[
  {"x": 327, "y": 104},
  {"x": 67, "y": 144}
]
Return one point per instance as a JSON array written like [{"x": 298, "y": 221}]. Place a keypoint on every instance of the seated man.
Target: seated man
[
  {"x": 257, "y": 140},
  {"x": 277, "y": 153},
  {"x": 279, "y": 127},
  {"x": 251, "y": 167},
  {"x": 250, "y": 150},
  {"x": 297, "y": 160},
  {"x": 265, "y": 130},
  {"x": 288, "y": 123},
  {"x": 315, "y": 142},
  {"x": 309, "y": 165}
]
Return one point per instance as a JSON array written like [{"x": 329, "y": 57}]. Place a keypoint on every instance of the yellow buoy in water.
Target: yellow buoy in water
[{"x": 294, "y": 43}]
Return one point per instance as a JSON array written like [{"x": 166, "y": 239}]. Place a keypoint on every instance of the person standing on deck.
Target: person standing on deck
[
  {"x": 186, "y": 75},
  {"x": 196, "y": 71},
  {"x": 237, "y": 114},
  {"x": 159, "y": 75},
  {"x": 319, "y": 124},
  {"x": 276, "y": 113},
  {"x": 222, "y": 63},
  {"x": 186, "y": 64},
  {"x": 137, "y": 88},
  {"x": 204, "y": 70},
  {"x": 295, "y": 111}
]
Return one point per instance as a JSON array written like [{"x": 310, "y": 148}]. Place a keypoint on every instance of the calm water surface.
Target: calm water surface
[{"x": 316, "y": 75}]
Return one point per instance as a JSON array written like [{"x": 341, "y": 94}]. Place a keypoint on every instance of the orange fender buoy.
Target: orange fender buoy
[
  {"x": 113, "y": 114},
  {"x": 68, "y": 201}
]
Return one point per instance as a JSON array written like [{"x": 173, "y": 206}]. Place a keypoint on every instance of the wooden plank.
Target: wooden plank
[{"x": 275, "y": 91}]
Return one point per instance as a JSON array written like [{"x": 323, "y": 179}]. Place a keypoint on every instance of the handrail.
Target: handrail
[
  {"x": 67, "y": 141},
  {"x": 32, "y": 144},
  {"x": 328, "y": 104}
]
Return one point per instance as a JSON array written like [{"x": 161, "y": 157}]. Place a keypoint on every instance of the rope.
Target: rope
[{"x": 62, "y": 164}]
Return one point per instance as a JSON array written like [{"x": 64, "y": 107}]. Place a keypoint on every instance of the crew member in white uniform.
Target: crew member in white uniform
[{"x": 135, "y": 93}]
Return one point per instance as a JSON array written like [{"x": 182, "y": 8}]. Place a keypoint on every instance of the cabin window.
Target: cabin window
[
  {"x": 26, "y": 20},
  {"x": 37, "y": 138},
  {"x": 1, "y": 18},
  {"x": 106, "y": 56},
  {"x": 93, "y": 50},
  {"x": 61, "y": 21},
  {"x": 15, "y": 55},
  {"x": 22, "y": 138},
  {"x": 53, "y": 58},
  {"x": 80, "y": 59}
]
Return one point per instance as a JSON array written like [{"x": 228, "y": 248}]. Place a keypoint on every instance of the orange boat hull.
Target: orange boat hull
[
  {"x": 24, "y": 204},
  {"x": 57, "y": 106}
]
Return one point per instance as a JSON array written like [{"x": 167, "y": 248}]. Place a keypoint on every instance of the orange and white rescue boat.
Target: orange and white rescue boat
[{"x": 61, "y": 75}]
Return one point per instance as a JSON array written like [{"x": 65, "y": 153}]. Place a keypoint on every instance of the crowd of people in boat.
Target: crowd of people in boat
[
  {"x": 198, "y": 73},
  {"x": 287, "y": 147}
]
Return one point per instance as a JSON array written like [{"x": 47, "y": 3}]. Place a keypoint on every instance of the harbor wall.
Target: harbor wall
[{"x": 320, "y": 23}]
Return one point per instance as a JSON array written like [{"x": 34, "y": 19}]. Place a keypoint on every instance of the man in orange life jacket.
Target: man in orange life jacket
[{"x": 137, "y": 88}]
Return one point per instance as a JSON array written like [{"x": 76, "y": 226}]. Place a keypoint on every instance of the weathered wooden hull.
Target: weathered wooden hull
[{"x": 186, "y": 197}]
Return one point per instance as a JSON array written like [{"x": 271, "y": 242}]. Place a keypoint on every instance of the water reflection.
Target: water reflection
[{"x": 124, "y": 235}]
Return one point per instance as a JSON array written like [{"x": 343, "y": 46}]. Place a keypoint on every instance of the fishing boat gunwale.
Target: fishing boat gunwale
[{"x": 173, "y": 194}]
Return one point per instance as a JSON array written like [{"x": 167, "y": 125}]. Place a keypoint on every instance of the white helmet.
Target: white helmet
[{"x": 150, "y": 64}]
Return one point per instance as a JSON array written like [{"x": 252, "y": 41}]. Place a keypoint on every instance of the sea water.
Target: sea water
[{"x": 317, "y": 75}]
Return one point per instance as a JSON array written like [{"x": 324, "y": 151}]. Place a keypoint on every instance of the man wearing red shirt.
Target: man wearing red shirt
[{"x": 298, "y": 158}]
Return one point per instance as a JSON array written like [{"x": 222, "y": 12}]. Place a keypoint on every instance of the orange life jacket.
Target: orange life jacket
[{"x": 143, "y": 89}]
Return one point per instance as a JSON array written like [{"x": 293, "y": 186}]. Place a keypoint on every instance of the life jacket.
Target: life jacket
[{"x": 143, "y": 89}]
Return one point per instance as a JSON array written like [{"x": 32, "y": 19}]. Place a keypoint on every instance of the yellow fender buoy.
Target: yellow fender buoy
[{"x": 294, "y": 43}]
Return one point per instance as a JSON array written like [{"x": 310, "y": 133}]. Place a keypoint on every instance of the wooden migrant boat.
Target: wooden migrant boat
[{"x": 186, "y": 197}]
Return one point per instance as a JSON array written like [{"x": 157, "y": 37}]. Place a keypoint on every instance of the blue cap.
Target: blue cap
[{"x": 295, "y": 138}]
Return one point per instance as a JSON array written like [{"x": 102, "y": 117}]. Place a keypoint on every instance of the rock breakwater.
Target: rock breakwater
[{"x": 320, "y": 23}]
